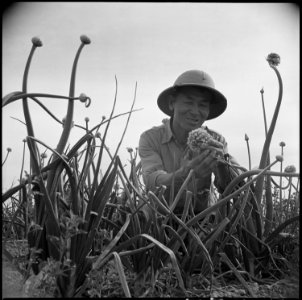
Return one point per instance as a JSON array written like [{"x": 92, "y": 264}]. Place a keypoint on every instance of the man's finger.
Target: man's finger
[{"x": 215, "y": 143}]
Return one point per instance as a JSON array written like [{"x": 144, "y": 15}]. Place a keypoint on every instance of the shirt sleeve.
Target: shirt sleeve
[{"x": 152, "y": 165}]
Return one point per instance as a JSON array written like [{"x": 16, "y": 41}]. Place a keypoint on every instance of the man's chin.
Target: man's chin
[
  {"x": 189, "y": 126},
  {"x": 195, "y": 126}
]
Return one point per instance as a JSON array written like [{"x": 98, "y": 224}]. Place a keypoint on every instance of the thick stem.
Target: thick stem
[
  {"x": 268, "y": 187},
  {"x": 29, "y": 126},
  {"x": 264, "y": 114},
  {"x": 12, "y": 97},
  {"x": 249, "y": 154},
  {"x": 69, "y": 116},
  {"x": 280, "y": 184},
  {"x": 269, "y": 205},
  {"x": 265, "y": 151}
]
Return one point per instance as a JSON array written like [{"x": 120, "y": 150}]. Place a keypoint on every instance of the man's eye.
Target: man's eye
[{"x": 203, "y": 104}]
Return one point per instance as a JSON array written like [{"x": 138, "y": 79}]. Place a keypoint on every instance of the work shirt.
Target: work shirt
[{"x": 160, "y": 153}]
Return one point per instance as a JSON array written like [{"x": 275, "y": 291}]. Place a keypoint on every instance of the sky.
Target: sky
[{"x": 150, "y": 44}]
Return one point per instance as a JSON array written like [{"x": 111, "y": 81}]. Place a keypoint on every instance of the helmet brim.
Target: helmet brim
[{"x": 218, "y": 103}]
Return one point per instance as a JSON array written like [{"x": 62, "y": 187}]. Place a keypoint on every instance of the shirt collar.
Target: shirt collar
[{"x": 168, "y": 134}]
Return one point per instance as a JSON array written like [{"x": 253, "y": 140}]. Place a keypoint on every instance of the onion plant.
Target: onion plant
[{"x": 84, "y": 222}]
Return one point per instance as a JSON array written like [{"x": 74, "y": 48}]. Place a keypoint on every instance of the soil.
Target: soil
[
  {"x": 13, "y": 286},
  {"x": 12, "y": 281}
]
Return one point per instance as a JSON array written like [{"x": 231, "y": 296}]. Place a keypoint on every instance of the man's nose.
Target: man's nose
[{"x": 195, "y": 108}]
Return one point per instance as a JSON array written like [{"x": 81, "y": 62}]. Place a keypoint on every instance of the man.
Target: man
[{"x": 165, "y": 156}]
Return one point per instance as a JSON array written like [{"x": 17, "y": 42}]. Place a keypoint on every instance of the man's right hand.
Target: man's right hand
[{"x": 203, "y": 164}]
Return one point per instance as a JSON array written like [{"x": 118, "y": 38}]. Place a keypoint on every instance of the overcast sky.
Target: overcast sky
[{"x": 151, "y": 44}]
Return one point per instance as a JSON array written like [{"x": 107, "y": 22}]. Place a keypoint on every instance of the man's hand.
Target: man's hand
[{"x": 205, "y": 163}]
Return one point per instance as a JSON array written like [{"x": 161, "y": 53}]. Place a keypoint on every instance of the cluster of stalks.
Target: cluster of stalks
[{"x": 82, "y": 219}]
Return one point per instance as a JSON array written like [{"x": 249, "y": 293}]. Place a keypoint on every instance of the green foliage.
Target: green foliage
[{"x": 107, "y": 236}]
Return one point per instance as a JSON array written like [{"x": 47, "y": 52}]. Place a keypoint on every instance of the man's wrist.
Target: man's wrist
[{"x": 183, "y": 172}]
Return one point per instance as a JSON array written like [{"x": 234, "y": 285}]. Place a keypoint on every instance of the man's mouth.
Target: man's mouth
[{"x": 193, "y": 121}]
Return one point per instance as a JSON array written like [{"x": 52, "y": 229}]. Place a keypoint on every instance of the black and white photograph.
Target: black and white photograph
[{"x": 150, "y": 149}]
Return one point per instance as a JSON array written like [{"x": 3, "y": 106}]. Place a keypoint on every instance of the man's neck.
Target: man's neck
[{"x": 179, "y": 133}]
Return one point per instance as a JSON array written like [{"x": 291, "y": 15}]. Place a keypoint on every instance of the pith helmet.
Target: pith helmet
[{"x": 200, "y": 79}]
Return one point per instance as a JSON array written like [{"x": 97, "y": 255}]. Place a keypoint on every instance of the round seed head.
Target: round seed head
[
  {"x": 44, "y": 155},
  {"x": 36, "y": 42},
  {"x": 83, "y": 97},
  {"x": 282, "y": 144},
  {"x": 279, "y": 158},
  {"x": 85, "y": 39},
  {"x": 129, "y": 149},
  {"x": 98, "y": 135},
  {"x": 273, "y": 59},
  {"x": 290, "y": 169}
]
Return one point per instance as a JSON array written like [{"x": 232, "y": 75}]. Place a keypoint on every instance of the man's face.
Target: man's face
[{"x": 191, "y": 107}]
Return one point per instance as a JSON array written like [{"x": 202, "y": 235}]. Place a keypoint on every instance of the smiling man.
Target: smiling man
[{"x": 165, "y": 155}]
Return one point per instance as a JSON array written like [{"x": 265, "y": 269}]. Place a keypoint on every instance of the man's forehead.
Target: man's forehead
[{"x": 194, "y": 91}]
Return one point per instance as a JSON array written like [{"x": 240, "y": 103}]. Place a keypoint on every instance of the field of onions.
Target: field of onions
[{"x": 75, "y": 229}]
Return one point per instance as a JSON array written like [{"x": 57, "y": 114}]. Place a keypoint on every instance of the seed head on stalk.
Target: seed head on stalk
[
  {"x": 61, "y": 145},
  {"x": 263, "y": 108},
  {"x": 36, "y": 42},
  {"x": 85, "y": 39},
  {"x": 279, "y": 158},
  {"x": 248, "y": 149},
  {"x": 85, "y": 99},
  {"x": 129, "y": 149},
  {"x": 8, "y": 151},
  {"x": 86, "y": 122},
  {"x": 290, "y": 169},
  {"x": 273, "y": 59},
  {"x": 43, "y": 155},
  {"x": 11, "y": 97},
  {"x": 68, "y": 123},
  {"x": 282, "y": 145}
]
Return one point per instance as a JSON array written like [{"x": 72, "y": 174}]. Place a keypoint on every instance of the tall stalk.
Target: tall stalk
[
  {"x": 7, "y": 153},
  {"x": 36, "y": 42},
  {"x": 69, "y": 117},
  {"x": 52, "y": 177},
  {"x": 268, "y": 185},
  {"x": 282, "y": 145},
  {"x": 273, "y": 60},
  {"x": 248, "y": 150}
]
